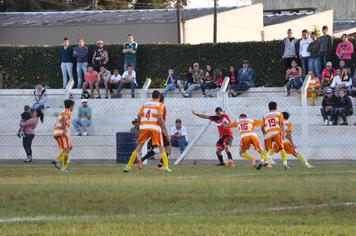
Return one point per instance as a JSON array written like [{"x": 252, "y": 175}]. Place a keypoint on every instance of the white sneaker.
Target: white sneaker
[
  {"x": 77, "y": 134},
  {"x": 326, "y": 122},
  {"x": 85, "y": 133},
  {"x": 330, "y": 122}
]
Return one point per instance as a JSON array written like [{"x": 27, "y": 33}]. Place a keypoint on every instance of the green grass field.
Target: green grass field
[{"x": 194, "y": 200}]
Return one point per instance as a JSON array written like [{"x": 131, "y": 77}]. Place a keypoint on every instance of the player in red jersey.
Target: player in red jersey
[{"x": 225, "y": 134}]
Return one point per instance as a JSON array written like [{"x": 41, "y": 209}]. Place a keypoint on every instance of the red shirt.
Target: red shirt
[
  {"x": 225, "y": 118},
  {"x": 91, "y": 77}
]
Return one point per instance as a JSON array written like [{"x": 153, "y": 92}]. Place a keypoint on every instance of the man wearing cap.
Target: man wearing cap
[
  {"x": 245, "y": 79},
  {"x": 198, "y": 76},
  {"x": 100, "y": 56},
  {"x": 330, "y": 103},
  {"x": 129, "y": 50},
  {"x": 179, "y": 136},
  {"x": 83, "y": 121},
  {"x": 327, "y": 75}
]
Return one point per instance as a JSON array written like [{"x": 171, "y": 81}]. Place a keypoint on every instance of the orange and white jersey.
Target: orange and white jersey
[
  {"x": 272, "y": 122},
  {"x": 288, "y": 129},
  {"x": 246, "y": 126},
  {"x": 149, "y": 114},
  {"x": 59, "y": 129},
  {"x": 314, "y": 83}
]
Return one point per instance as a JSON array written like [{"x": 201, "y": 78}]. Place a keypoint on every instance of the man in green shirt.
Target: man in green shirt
[
  {"x": 129, "y": 50},
  {"x": 83, "y": 121}
]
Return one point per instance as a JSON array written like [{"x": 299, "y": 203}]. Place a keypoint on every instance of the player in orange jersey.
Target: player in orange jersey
[
  {"x": 288, "y": 142},
  {"x": 273, "y": 130},
  {"x": 151, "y": 126},
  {"x": 61, "y": 135},
  {"x": 248, "y": 137}
]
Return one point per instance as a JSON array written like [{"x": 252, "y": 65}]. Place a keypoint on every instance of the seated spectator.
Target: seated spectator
[
  {"x": 40, "y": 98},
  {"x": 171, "y": 82},
  {"x": 128, "y": 80},
  {"x": 329, "y": 104},
  {"x": 342, "y": 65},
  {"x": 313, "y": 88},
  {"x": 179, "y": 136},
  {"x": 233, "y": 80},
  {"x": 219, "y": 75},
  {"x": 114, "y": 81},
  {"x": 344, "y": 50},
  {"x": 90, "y": 79},
  {"x": 198, "y": 76},
  {"x": 294, "y": 77},
  {"x": 208, "y": 81},
  {"x": 342, "y": 80},
  {"x": 104, "y": 77},
  {"x": 188, "y": 78},
  {"x": 327, "y": 76},
  {"x": 344, "y": 108},
  {"x": 245, "y": 78},
  {"x": 83, "y": 121}
]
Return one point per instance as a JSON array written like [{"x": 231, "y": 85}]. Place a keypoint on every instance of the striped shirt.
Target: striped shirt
[
  {"x": 273, "y": 122},
  {"x": 246, "y": 126},
  {"x": 66, "y": 117},
  {"x": 288, "y": 128},
  {"x": 149, "y": 115}
]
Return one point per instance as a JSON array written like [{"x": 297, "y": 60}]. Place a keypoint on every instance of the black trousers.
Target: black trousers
[{"x": 27, "y": 143}]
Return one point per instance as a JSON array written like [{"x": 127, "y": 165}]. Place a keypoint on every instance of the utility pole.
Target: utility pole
[
  {"x": 179, "y": 20},
  {"x": 215, "y": 21}
]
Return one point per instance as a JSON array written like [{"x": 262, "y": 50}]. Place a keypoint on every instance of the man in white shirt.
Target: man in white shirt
[
  {"x": 179, "y": 136},
  {"x": 303, "y": 51},
  {"x": 128, "y": 80},
  {"x": 114, "y": 81}
]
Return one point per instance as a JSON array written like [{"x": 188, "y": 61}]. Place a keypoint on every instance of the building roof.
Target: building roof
[
  {"x": 21, "y": 19},
  {"x": 278, "y": 16},
  {"x": 342, "y": 25}
]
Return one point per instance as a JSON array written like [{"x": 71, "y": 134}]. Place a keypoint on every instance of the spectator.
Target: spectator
[
  {"x": 104, "y": 77},
  {"x": 90, "y": 79},
  {"x": 128, "y": 80},
  {"x": 288, "y": 51},
  {"x": 197, "y": 76},
  {"x": 130, "y": 49},
  {"x": 113, "y": 83},
  {"x": 342, "y": 80},
  {"x": 208, "y": 81},
  {"x": 327, "y": 76},
  {"x": 233, "y": 80},
  {"x": 179, "y": 136},
  {"x": 303, "y": 51},
  {"x": 329, "y": 104},
  {"x": 219, "y": 77},
  {"x": 314, "y": 59},
  {"x": 136, "y": 126},
  {"x": 188, "y": 77},
  {"x": 29, "y": 127},
  {"x": 342, "y": 65},
  {"x": 245, "y": 78},
  {"x": 25, "y": 116},
  {"x": 326, "y": 46},
  {"x": 171, "y": 82},
  {"x": 66, "y": 62},
  {"x": 344, "y": 108},
  {"x": 82, "y": 123},
  {"x": 80, "y": 53},
  {"x": 40, "y": 98},
  {"x": 294, "y": 77},
  {"x": 100, "y": 56},
  {"x": 313, "y": 88},
  {"x": 344, "y": 50}
]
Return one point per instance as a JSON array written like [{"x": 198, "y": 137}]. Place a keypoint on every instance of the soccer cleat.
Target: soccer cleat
[
  {"x": 260, "y": 165},
  {"x": 139, "y": 164},
  {"x": 168, "y": 170},
  {"x": 161, "y": 168},
  {"x": 126, "y": 169},
  {"x": 56, "y": 164},
  {"x": 28, "y": 160},
  {"x": 220, "y": 164},
  {"x": 286, "y": 167},
  {"x": 67, "y": 170},
  {"x": 254, "y": 162},
  {"x": 230, "y": 163},
  {"x": 308, "y": 165}
]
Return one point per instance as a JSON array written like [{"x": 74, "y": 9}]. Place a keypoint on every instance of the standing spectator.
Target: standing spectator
[
  {"x": 80, "y": 53},
  {"x": 326, "y": 46},
  {"x": 25, "y": 115},
  {"x": 83, "y": 121},
  {"x": 294, "y": 77},
  {"x": 344, "y": 108},
  {"x": 66, "y": 62},
  {"x": 314, "y": 59},
  {"x": 171, "y": 82},
  {"x": 344, "y": 50},
  {"x": 303, "y": 51},
  {"x": 128, "y": 80},
  {"x": 245, "y": 78},
  {"x": 40, "y": 98},
  {"x": 188, "y": 77},
  {"x": 197, "y": 76},
  {"x": 179, "y": 136},
  {"x": 113, "y": 83},
  {"x": 100, "y": 56},
  {"x": 104, "y": 77},
  {"x": 208, "y": 80},
  {"x": 342, "y": 80},
  {"x": 130, "y": 49},
  {"x": 29, "y": 127},
  {"x": 327, "y": 75},
  {"x": 288, "y": 51},
  {"x": 329, "y": 104},
  {"x": 90, "y": 79}
]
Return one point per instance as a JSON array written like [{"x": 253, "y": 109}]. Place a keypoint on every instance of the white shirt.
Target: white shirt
[
  {"x": 131, "y": 77},
  {"x": 182, "y": 132},
  {"x": 116, "y": 78},
  {"x": 337, "y": 80},
  {"x": 303, "y": 46}
]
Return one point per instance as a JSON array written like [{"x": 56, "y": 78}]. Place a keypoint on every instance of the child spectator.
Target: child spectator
[
  {"x": 294, "y": 77},
  {"x": 313, "y": 88},
  {"x": 26, "y": 115},
  {"x": 40, "y": 98},
  {"x": 171, "y": 82},
  {"x": 327, "y": 76}
]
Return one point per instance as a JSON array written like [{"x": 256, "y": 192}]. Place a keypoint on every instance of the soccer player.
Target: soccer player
[
  {"x": 225, "y": 134},
  {"x": 273, "y": 130},
  {"x": 288, "y": 144},
  {"x": 151, "y": 126},
  {"x": 61, "y": 135},
  {"x": 246, "y": 128}
]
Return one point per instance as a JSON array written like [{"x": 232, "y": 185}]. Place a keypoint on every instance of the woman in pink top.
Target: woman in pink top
[
  {"x": 345, "y": 49},
  {"x": 29, "y": 127}
]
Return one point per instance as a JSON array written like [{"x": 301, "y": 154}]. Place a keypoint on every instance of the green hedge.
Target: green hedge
[{"x": 23, "y": 67}]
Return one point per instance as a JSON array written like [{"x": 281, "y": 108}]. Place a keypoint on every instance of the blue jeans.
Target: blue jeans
[
  {"x": 296, "y": 83},
  {"x": 133, "y": 64},
  {"x": 314, "y": 65},
  {"x": 324, "y": 59},
  {"x": 131, "y": 85},
  {"x": 170, "y": 87},
  {"x": 182, "y": 144},
  {"x": 81, "y": 123},
  {"x": 37, "y": 106},
  {"x": 191, "y": 88},
  {"x": 67, "y": 69},
  {"x": 82, "y": 67},
  {"x": 305, "y": 64}
]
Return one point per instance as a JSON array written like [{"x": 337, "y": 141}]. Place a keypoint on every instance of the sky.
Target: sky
[{"x": 210, "y": 3}]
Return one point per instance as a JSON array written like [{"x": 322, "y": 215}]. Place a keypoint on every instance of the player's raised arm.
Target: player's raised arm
[{"x": 203, "y": 116}]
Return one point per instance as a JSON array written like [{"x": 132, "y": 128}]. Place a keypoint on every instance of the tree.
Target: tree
[{"x": 156, "y": 4}]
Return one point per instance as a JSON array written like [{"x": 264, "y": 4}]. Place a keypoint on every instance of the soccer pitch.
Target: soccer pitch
[{"x": 201, "y": 199}]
